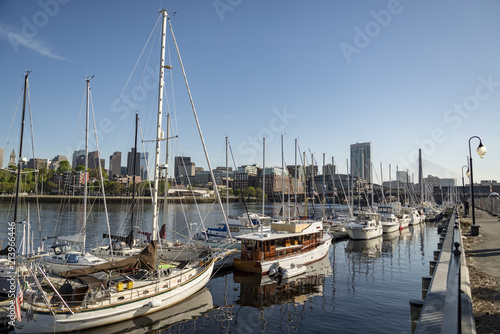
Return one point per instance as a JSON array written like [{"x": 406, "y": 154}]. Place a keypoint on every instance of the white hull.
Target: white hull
[
  {"x": 390, "y": 227},
  {"x": 112, "y": 310},
  {"x": 365, "y": 233}
]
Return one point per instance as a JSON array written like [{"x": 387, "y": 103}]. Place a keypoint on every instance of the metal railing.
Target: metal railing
[{"x": 447, "y": 307}]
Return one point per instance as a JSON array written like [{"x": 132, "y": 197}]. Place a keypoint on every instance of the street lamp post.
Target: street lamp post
[
  {"x": 481, "y": 151},
  {"x": 463, "y": 185}
]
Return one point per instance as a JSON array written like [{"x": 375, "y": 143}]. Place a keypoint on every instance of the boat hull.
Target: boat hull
[
  {"x": 34, "y": 320},
  {"x": 364, "y": 233},
  {"x": 263, "y": 267}
]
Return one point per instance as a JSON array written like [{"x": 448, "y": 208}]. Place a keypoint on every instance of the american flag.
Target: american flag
[{"x": 18, "y": 301}]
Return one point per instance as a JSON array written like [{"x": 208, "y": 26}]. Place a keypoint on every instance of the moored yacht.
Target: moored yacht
[
  {"x": 366, "y": 226},
  {"x": 298, "y": 241}
]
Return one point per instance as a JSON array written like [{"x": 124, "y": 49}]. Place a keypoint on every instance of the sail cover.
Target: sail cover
[{"x": 144, "y": 260}]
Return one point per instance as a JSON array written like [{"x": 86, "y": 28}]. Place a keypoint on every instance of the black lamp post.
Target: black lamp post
[
  {"x": 463, "y": 185},
  {"x": 481, "y": 150}
]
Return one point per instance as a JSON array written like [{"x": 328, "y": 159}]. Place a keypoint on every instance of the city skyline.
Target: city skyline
[{"x": 346, "y": 72}]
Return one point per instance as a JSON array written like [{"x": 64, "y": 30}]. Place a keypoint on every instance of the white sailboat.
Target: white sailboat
[
  {"x": 90, "y": 301},
  {"x": 68, "y": 252}
]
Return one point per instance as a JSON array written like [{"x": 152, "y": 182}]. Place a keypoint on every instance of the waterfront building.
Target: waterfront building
[
  {"x": 94, "y": 161},
  {"x": 184, "y": 170},
  {"x": 115, "y": 162},
  {"x": 143, "y": 165},
  {"x": 246, "y": 176},
  {"x": 130, "y": 163},
  {"x": 37, "y": 164},
  {"x": 78, "y": 158},
  {"x": 56, "y": 161},
  {"x": 361, "y": 160},
  {"x": 12, "y": 161}
]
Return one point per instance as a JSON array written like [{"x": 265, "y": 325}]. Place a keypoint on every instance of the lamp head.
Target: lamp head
[
  {"x": 481, "y": 150},
  {"x": 468, "y": 173}
]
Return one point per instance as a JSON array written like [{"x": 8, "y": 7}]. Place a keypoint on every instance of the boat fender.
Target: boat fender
[{"x": 155, "y": 303}]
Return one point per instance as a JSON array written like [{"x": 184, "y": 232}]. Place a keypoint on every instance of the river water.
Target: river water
[{"x": 361, "y": 287}]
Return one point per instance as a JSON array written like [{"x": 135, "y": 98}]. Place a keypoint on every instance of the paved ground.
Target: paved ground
[
  {"x": 485, "y": 252},
  {"x": 483, "y": 261}
]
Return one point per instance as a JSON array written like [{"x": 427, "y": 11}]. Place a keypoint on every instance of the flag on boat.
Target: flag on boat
[
  {"x": 18, "y": 301},
  {"x": 315, "y": 193}
]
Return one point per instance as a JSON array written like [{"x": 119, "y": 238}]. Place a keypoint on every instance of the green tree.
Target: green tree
[
  {"x": 64, "y": 166},
  {"x": 258, "y": 192},
  {"x": 237, "y": 192},
  {"x": 80, "y": 168}
]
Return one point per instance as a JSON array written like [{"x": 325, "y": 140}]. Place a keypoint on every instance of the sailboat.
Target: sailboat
[
  {"x": 7, "y": 255},
  {"x": 84, "y": 301},
  {"x": 68, "y": 252}
]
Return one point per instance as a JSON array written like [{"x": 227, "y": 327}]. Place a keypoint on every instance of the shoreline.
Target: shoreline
[{"x": 116, "y": 199}]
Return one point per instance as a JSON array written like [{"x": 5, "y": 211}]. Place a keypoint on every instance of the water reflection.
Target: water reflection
[
  {"x": 261, "y": 291},
  {"x": 366, "y": 248},
  {"x": 197, "y": 305}
]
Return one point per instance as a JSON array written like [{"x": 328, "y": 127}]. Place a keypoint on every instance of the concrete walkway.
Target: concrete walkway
[{"x": 485, "y": 252}]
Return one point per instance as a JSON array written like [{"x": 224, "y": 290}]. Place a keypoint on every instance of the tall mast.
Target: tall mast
[
  {"x": 134, "y": 171},
  {"x": 282, "y": 180},
  {"x": 227, "y": 176},
  {"x": 295, "y": 172},
  {"x": 420, "y": 176},
  {"x": 305, "y": 179},
  {"x": 263, "y": 176},
  {"x": 333, "y": 185},
  {"x": 390, "y": 182},
  {"x": 86, "y": 165},
  {"x": 165, "y": 186},
  {"x": 18, "y": 179},
  {"x": 154, "y": 232}
]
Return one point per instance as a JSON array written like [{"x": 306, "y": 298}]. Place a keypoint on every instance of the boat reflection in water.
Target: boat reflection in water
[
  {"x": 367, "y": 248},
  {"x": 196, "y": 305},
  {"x": 261, "y": 291}
]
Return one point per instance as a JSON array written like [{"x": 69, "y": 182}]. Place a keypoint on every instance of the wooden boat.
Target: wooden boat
[{"x": 298, "y": 241}]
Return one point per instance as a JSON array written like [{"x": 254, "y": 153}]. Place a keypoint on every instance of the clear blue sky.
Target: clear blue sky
[{"x": 402, "y": 75}]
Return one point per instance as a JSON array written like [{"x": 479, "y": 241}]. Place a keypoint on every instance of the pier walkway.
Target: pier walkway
[{"x": 484, "y": 254}]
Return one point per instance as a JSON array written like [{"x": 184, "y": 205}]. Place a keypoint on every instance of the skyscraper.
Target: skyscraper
[
  {"x": 115, "y": 163},
  {"x": 361, "y": 160},
  {"x": 130, "y": 163}
]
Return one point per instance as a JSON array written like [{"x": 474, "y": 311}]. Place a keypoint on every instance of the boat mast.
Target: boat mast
[
  {"x": 154, "y": 232},
  {"x": 165, "y": 186},
  {"x": 18, "y": 179},
  {"x": 263, "y": 180},
  {"x": 390, "y": 184},
  {"x": 295, "y": 172},
  {"x": 333, "y": 185},
  {"x": 85, "y": 183},
  {"x": 263, "y": 177},
  {"x": 134, "y": 171},
  {"x": 227, "y": 176},
  {"x": 282, "y": 180}
]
